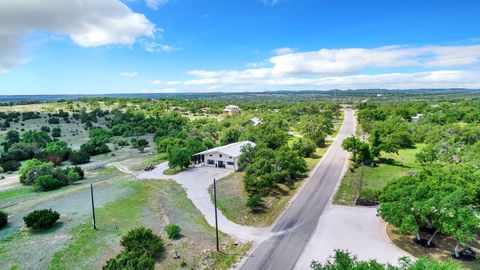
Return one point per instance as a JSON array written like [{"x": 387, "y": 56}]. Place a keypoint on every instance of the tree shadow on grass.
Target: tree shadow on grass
[
  {"x": 42, "y": 231},
  {"x": 392, "y": 162}
]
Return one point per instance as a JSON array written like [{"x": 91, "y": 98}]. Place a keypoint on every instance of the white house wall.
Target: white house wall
[{"x": 216, "y": 156}]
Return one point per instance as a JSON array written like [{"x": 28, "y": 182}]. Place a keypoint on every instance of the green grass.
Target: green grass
[
  {"x": 113, "y": 219},
  {"x": 376, "y": 177},
  {"x": 15, "y": 192}
]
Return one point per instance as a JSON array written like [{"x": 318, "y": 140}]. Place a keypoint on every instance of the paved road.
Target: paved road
[{"x": 292, "y": 231}]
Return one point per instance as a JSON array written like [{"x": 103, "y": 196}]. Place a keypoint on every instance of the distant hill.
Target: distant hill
[{"x": 285, "y": 95}]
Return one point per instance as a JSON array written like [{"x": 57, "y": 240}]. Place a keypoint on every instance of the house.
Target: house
[
  {"x": 255, "y": 121},
  {"x": 232, "y": 110},
  {"x": 221, "y": 157},
  {"x": 417, "y": 117}
]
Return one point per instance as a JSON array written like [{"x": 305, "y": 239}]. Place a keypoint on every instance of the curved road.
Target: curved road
[{"x": 294, "y": 228}]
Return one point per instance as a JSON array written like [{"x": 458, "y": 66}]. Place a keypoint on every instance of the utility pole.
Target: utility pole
[
  {"x": 93, "y": 208},
  {"x": 215, "y": 203}
]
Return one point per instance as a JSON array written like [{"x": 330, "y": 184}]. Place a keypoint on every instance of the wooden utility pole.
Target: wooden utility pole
[
  {"x": 93, "y": 208},
  {"x": 215, "y": 203}
]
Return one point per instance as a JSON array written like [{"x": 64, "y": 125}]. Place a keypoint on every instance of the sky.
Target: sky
[{"x": 164, "y": 46}]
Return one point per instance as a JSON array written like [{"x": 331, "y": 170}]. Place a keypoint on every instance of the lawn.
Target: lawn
[
  {"x": 377, "y": 177},
  {"x": 90, "y": 248}
]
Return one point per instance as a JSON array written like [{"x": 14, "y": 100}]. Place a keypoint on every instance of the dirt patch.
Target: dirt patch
[{"x": 443, "y": 249}]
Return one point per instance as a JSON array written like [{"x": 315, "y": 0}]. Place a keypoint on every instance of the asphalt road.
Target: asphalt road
[{"x": 294, "y": 228}]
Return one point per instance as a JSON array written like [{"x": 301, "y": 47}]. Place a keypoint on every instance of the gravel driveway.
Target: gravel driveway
[
  {"x": 356, "y": 229},
  {"x": 196, "y": 181}
]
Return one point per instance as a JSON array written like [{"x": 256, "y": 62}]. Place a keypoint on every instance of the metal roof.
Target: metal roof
[{"x": 233, "y": 149}]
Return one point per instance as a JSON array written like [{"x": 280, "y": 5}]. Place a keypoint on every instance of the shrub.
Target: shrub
[
  {"x": 54, "y": 121},
  {"x": 3, "y": 219},
  {"x": 40, "y": 219},
  {"x": 45, "y": 128},
  {"x": 94, "y": 148},
  {"x": 254, "y": 201},
  {"x": 173, "y": 231},
  {"x": 79, "y": 157},
  {"x": 73, "y": 176},
  {"x": 130, "y": 260},
  {"x": 140, "y": 246},
  {"x": 46, "y": 183},
  {"x": 142, "y": 240},
  {"x": 11, "y": 165}
]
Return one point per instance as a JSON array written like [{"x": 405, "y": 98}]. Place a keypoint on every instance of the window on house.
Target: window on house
[
  {"x": 210, "y": 161},
  {"x": 230, "y": 163},
  {"x": 220, "y": 155}
]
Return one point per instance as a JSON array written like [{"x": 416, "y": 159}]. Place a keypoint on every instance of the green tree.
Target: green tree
[
  {"x": 179, "y": 158},
  {"x": 41, "y": 138},
  {"x": 56, "y": 152},
  {"x": 79, "y": 157},
  {"x": 11, "y": 137},
  {"x": 99, "y": 135},
  {"x": 231, "y": 135},
  {"x": 304, "y": 147},
  {"x": 360, "y": 150}
]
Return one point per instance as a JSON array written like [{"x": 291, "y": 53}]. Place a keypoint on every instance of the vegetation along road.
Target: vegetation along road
[{"x": 294, "y": 228}]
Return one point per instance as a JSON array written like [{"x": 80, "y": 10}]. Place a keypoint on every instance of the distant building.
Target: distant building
[
  {"x": 231, "y": 110},
  {"x": 255, "y": 121},
  {"x": 222, "y": 157},
  {"x": 417, "y": 117}
]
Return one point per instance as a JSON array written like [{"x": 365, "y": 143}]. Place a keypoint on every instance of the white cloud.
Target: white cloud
[
  {"x": 155, "y": 4},
  {"x": 352, "y": 60},
  {"x": 154, "y": 47},
  {"x": 281, "y": 51},
  {"x": 434, "y": 66},
  {"x": 159, "y": 82},
  {"x": 88, "y": 23},
  {"x": 128, "y": 74}
]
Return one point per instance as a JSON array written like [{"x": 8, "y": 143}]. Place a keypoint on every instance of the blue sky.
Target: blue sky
[{"x": 137, "y": 46}]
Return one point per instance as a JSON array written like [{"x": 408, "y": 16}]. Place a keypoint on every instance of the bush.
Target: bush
[
  {"x": 40, "y": 219},
  {"x": 254, "y": 201},
  {"x": 46, "y": 183},
  {"x": 79, "y": 157},
  {"x": 140, "y": 246},
  {"x": 45, "y": 128},
  {"x": 142, "y": 240},
  {"x": 73, "y": 176},
  {"x": 3, "y": 219},
  {"x": 94, "y": 148},
  {"x": 130, "y": 260},
  {"x": 10, "y": 165},
  {"x": 173, "y": 231},
  {"x": 54, "y": 121}
]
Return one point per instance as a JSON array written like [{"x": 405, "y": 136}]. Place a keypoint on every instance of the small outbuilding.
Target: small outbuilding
[
  {"x": 255, "y": 121},
  {"x": 232, "y": 110},
  {"x": 417, "y": 117},
  {"x": 222, "y": 157}
]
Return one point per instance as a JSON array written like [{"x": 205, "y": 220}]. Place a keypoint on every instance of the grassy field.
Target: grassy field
[
  {"x": 122, "y": 204},
  {"x": 376, "y": 178}
]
